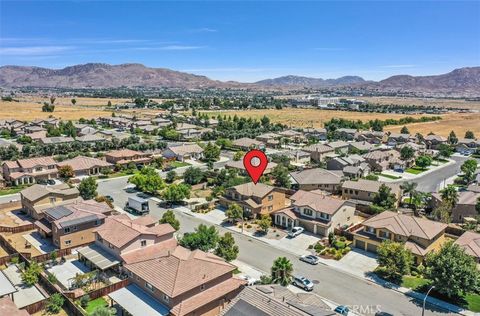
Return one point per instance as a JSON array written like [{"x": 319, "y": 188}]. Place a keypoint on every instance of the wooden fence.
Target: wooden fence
[
  {"x": 16, "y": 229},
  {"x": 60, "y": 253},
  {"x": 36, "y": 307}
]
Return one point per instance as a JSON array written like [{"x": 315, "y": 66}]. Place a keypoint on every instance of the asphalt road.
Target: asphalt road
[{"x": 331, "y": 283}]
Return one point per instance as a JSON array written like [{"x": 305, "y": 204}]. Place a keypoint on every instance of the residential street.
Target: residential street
[{"x": 330, "y": 283}]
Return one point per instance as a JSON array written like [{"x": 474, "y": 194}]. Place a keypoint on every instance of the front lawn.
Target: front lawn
[
  {"x": 415, "y": 170},
  {"x": 414, "y": 283},
  {"x": 92, "y": 305},
  {"x": 13, "y": 190},
  {"x": 178, "y": 164}
]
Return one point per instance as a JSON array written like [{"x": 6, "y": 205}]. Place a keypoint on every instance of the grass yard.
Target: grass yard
[
  {"x": 414, "y": 283},
  {"x": 92, "y": 305},
  {"x": 178, "y": 164},
  {"x": 415, "y": 170},
  {"x": 389, "y": 176},
  {"x": 14, "y": 190}
]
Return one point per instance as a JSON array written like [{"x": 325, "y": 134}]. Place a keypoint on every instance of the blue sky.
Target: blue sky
[{"x": 246, "y": 41}]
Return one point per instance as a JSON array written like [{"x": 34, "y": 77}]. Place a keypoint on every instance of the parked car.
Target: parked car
[
  {"x": 342, "y": 310},
  {"x": 295, "y": 231},
  {"x": 51, "y": 182},
  {"x": 303, "y": 283},
  {"x": 310, "y": 259},
  {"x": 109, "y": 198},
  {"x": 249, "y": 279}
]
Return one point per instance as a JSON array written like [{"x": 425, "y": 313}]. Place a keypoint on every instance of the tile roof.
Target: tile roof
[
  {"x": 186, "y": 149},
  {"x": 239, "y": 164},
  {"x": 318, "y": 148},
  {"x": 406, "y": 225},
  {"x": 80, "y": 212},
  {"x": 317, "y": 176},
  {"x": 180, "y": 270},
  {"x": 32, "y": 162},
  {"x": 369, "y": 185},
  {"x": 251, "y": 189},
  {"x": 124, "y": 153},
  {"x": 8, "y": 307},
  {"x": 470, "y": 241},
  {"x": 317, "y": 201},
  {"x": 84, "y": 163},
  {"x": 37, "y": 191},
  {"x": 246, "y": 142}
]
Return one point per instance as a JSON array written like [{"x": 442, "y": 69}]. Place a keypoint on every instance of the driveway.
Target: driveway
[{"x": 358, "y": 262}]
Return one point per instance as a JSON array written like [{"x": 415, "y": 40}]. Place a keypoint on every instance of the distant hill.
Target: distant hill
[
  {"x": 96, "y": 75},
  {"x": 298, "y": 81},
  {"x": 462, "y": 81}
]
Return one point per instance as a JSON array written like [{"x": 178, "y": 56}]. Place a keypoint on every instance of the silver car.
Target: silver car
[
  {"x": 295, "y": 231},
  {"x": 303, "y": 283},
  {"x": 310, "y": 259}
]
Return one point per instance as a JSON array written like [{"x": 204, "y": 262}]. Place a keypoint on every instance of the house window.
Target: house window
[
  {"x": 143, "y": 243},
  {"x": 370, "y": 230},
  {"x": 149, "y": 286},
  {"x": 97, "y": 222},
  {"x": 324, "y": 216},
  {"x": 384, "y": 234},
  {"x": 66, "y": 230},
  {"x": 270, "y": 197},
  {"x": 202, "y": 287},
  {"x": 53, "y": 200},
  {"x": 356, "y": 192},
  {"x": 307, "y": 211},
  {"x": 166, "y": 298},
  {"x": 68, "y": 242}
]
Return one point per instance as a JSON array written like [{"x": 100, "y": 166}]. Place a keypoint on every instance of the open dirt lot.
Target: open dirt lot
[{"x": 424, "y": 101}]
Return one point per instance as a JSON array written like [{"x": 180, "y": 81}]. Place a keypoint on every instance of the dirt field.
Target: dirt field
[{"x": 424, "y": 101}]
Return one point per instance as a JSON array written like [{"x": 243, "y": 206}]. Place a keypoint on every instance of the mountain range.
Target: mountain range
[{"x": 462, "y": 81}]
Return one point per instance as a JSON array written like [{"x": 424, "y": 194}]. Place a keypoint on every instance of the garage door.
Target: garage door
[
  {"x": 372, "y": 248},
  {"x": 360, "y": 244}
]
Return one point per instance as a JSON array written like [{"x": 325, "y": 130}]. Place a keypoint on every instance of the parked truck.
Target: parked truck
[{"x": 136, "y": 204}]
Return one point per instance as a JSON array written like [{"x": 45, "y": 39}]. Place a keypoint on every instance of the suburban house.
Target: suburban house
[
  {"x": 421, "y": 236},
  {"x": 381, "y": 160},
  {"x": 464, "y": 208},
  {"x": 372, "y": 137},
  {"x": 316, "y": 212},
  {"x": 361, "y": 147},
  {"x": 255, "y": 199},
  {"x": 36, "y": 198},
  {"x": 316, "y": 133},
  {"x": 184, "y": 152},
  {"x": 434, "y": 141},
  {"x": 126, "y": 156},
  {"x": 339, "y": 146},
  {"x": 270, "y": 139},
  {"x": 345, "y": 133},
  {"x": 470, "y": 242},
  {"x": 246, "y": 144},
  {"x": 292, "y": 136},
  {"x": 318, "y": 152},
  {"x": 30, "y": 170},
  {"x": 90, "y": 139},
  {"x": 339, "y": 163},
  {"x": 238, "y": 165},
  {"x": 466, "y": 146},
  {"x": 71, "y": 225},
  {"x": 364, "y": 190},
  {"x": 395, "y": 139},
  {"x": 297, "y": 157},
  {"x": 56, "y": 140},
  {"x": 84, "y": 129},
  {"x": 317, "y": 178},
  {"x": 85, "y": 166}
]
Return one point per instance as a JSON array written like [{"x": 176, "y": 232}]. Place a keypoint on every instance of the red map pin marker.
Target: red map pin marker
[{"x": 255, "y": 161}]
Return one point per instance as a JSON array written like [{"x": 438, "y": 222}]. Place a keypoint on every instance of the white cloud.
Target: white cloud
[
  {"x": 33, "y": 50},
  {"x": 204, "y": 30},
  {"x": 179, "y": 47},
  {"x": 399, "y": 66}
]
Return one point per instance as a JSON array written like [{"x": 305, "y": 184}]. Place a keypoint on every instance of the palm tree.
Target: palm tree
[
  {"x": 409, "y": 188},
  {"x": 450, "y": 195},
  {"x": 282, "y": 271}
]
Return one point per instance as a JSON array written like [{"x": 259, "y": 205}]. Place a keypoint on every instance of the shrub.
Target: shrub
[
  {"x": 319, "y": 247},
  {"x": 52, "y": 278},
  {"x": 55, "y": 303},
  {"x": 249, "y": 226},
  {"x": 310, "y": 246},
  {"x": 84, "y": 301},
  {"x": 343, "y": 239},
  {"x": 339, "y": 245},
  {"x": 338, "y": 255}
]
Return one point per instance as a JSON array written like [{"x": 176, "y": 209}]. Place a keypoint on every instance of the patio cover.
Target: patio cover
[
  {"x": 137, "y": 302},
  {"x": 99, "y": 257},
  {"x": 6, "y": 287}
]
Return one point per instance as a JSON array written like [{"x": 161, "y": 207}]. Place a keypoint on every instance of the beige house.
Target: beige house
[
  {"x": 255, "y": 199},
  {"x": 30, "y": 170},
  {"x": 319, "y": 152},
  {"x": 464, "y": 208},
  {"x": 420, "y": 236},
  {"x": 470, "y": 242},
  {"x": 73, "y": 224},
  {"x": 126, "y": 156},
  {"x": 246, "y": 143},
  {"x": 238, "y": 165},
  {"x": 37, "y": 198},
  {"x": 184, "y": 152},
  {"x": 317, "y": 213},
  {"x": 85, "y": 166},
  {"x": 318, "y": 178},
  {"x": 365, "y": 190}
]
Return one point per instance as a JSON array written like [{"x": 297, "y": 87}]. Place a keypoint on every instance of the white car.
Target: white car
[
  {"x": 295, "y": 231},
  {"x": 310, "y": 259},
  {"x": 249, "y": 279}
]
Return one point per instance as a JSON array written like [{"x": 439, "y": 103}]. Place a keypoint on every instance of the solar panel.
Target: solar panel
[
  {"x": 78, "y": 221},
  {"x": 58, "y": 212}
]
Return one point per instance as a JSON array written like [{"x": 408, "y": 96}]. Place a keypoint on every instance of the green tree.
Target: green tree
[
  {"x": 449, "y": 195},
  {"x": 238, "y": 155},
  {"x": 31, "y": 273},
  {"x": 384, "y": 199},
  {"x": 423, "y": 161},
  {"x": 452, "y": 138},
  {"x": 175, "y": 193},
  {"x": 453, "y": 272},
  {"x": 169, "y": 218},
  {"x": 147, "y": 180},
  {"x": 55, "y": 303},
  {"x": 265, "y": 222},
  {"x": 407, "y": 153},
  {"x": 84, "y": 300},
  {"x": 193, "y": 175},
  {"x": 226, "y": 248},
  {"x": 477, "y": 206},
  {"x": 282, "y": 270},
  {"x": 66, "y": 172},
  {"x": 469, "y": 167},
  {"x": 394, "y": 259},
  {"x": 404, "y": 130},
  {"x": 409, "y": 188},
  {"x": 445, "y": 150},
  {"x": 469, "y": 135},
  {"x": 104, "y": 310},
  {"x": 171, "y": 175},
  {"x": 74, "y": 101},
  {"x": 282, "y": 177},
  {"x": 211, "y": 152},
  {"x": 88, "y": 188},
  {"x": 234, "y": 212},
  {"x": 443, "y": 212},
  {"x": 204, "y": 238}
]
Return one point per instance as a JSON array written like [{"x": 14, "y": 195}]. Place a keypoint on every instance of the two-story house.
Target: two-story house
[
  {"x": 364, "y": 190},
  {"x": 372, "y": 137},
  {"x": 381, "y": 160},
  {"x": 317, "y": 178},
  {"x": 316, "y": 212},
  {"x": 86, "y": 166},
  {"x": 395, "y": 139},
  {"x": 434, "y": 141},
  {"x": 73, "y": 224},
  {"x": 124, "y": 157},
  {"x": 464, "y": 208},
  {"x": 318, "y": 152},
  {"x": 30, "y": 170},
  {"x": 183, "y": 152},
  {"x": 246, "y": 144},
  {"x": 420, "y": 236},
  {"x": 315, "y": 133},
  {"x": 36, "y": 198},
  {"x": 240, "y": 167},
  {"x": 255, "y": 199}
]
